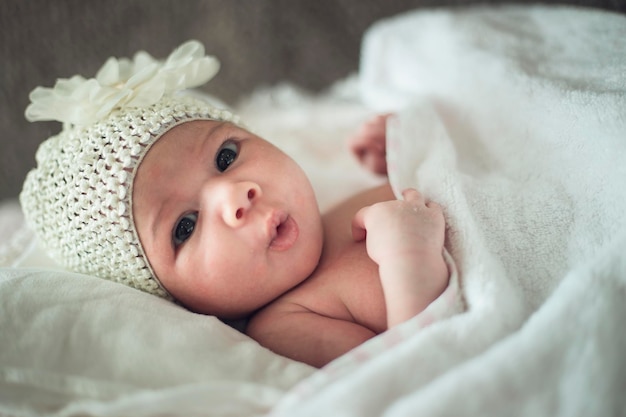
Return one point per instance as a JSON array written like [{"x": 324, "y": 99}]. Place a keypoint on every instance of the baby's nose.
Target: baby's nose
[{"x": 239, "y": 201}]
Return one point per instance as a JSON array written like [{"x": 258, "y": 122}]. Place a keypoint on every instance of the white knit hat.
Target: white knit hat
[{"x": 78, "y": 199}]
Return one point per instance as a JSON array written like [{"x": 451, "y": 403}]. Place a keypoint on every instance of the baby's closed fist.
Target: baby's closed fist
[{"x": 412, "y": 227}]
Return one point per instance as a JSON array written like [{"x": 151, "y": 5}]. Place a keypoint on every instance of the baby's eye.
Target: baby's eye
[
  {"x": 184, "y": 228},
  {"x": 226, "y": 155}
]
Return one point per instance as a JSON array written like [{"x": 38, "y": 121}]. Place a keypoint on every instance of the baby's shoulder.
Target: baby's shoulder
[
  {"x": 291, "y": 329},
  {"x": 308, "y": 298}
]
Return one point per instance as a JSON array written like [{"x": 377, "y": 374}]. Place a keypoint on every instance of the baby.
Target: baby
[{"x": 173, "y": 196}]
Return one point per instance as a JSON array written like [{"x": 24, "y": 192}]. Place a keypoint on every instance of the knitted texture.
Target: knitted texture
[{"x": 79, "y": 198}]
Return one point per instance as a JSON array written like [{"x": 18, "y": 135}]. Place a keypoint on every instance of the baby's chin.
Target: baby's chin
[
  {"x": 235, "y": 311},
  {"x": 239, "y": 313},
  {"x": 231, "y": 308}
]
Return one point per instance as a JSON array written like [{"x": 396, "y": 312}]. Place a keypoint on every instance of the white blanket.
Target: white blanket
[{"x": 515, "y": 121}]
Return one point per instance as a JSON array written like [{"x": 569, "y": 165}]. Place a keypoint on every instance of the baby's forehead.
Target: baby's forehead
[
  {"x": 185, "y": 146},
  {"x": 206, "y": 129}
]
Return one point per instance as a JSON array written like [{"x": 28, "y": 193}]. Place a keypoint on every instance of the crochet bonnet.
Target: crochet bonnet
[{"x": 78, "y": 199}]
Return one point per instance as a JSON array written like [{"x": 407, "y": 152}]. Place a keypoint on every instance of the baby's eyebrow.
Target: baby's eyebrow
[
  {"x": 216, "y": 128},
  {"x": 208, "y": 136}
]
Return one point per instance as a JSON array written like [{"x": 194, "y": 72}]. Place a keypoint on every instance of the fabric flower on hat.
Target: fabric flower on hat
[{"x": 122, "y": 83}]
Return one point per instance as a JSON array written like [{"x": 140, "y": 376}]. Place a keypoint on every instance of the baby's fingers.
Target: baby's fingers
[
  {"x": 433, "y": 205},
  {"x": 412, "y": 195},
  {"x": 371, "y": 156},
  {"x": 358, "y": 225}
]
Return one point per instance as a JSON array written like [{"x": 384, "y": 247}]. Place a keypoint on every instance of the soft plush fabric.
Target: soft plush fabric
[{"x": 514, "y": 120}]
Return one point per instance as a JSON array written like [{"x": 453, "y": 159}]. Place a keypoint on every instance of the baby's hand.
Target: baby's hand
[
  {"x": 410, "y": 227},
  {"x": 405, "y": 238},
  {"x": 368, "y": 144}
]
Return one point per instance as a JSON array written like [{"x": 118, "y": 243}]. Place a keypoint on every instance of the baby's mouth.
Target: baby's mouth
[{"x": 286, "y": 234}]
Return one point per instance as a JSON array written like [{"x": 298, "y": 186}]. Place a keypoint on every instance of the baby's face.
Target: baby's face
[{"x": 227, "y": 220}]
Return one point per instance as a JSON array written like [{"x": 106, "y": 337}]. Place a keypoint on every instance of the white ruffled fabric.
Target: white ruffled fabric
[{"x": 122, "y": 83}]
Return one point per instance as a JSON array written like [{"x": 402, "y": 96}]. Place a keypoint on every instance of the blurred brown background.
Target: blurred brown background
[{"x": 259, "y": 43}]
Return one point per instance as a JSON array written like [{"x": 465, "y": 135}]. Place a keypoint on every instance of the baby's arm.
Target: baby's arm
[
  {"x": 303, "y": 335},
  {"x": 405, "y": 238},
  {"x": 368, "y": 144}
]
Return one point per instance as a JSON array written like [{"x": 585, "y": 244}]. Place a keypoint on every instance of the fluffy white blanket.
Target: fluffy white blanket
[{"x": 515, "y": 120}]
